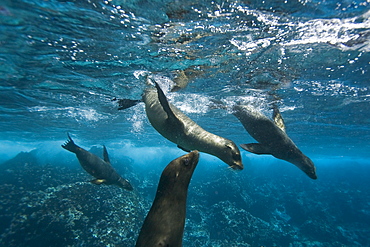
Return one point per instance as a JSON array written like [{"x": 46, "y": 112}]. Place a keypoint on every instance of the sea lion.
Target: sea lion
[
  {"x": 164, "y": 224},
  {"x": 102, "y": 170},
  {"x": 174, "y": 125},
  {"x": 272, "y": 138}
]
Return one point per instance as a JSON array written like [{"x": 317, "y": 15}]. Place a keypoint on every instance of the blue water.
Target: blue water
[{"x": 62, "y": 63}]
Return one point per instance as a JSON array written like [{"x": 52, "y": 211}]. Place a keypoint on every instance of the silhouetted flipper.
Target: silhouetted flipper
[
  {"x": 127, "y": 103},
  {"x": 184, "y": 149},
  {"x": 105, "y": 154},
  {"x": 278, "y": 119},
  {"x": 255, "y": 148},
  {"x": 171, "y": 117}
]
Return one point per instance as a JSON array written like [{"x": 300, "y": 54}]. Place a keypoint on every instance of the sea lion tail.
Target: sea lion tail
[{"x": 70, "y": 145}]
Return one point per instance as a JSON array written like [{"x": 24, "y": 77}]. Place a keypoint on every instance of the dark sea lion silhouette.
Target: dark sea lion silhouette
[
  {"x": 164, "y": 224},
  {"x": 102, "y": 170},
  {"x": 272, "y": 138},
  {"x": 174, "y": 125}
]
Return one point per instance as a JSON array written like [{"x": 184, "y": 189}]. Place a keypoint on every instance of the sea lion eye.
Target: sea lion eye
[
  {"x": 186, "y": 161},
  {"x": 229, "y": 146}
]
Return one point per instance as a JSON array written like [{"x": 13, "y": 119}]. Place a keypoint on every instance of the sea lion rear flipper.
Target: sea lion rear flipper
[
  {"x": 97, "y": 181},
  {"x": 255, "y": 148},
  {"x": 174, "y": 121},
  {"x": 70, "y": 145},
  {"x": 105, "y": 154},
  {"x": 278, "y": 119},
  {"x": 126, "y": 103},
  {"x": 184, "y": 149}
]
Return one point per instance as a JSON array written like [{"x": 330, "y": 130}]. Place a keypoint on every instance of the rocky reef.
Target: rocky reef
[
  {"x": 272, "y": 205},
  {"x": 45, "y": 205}
]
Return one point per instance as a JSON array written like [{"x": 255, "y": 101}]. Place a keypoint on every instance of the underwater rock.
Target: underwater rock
[
  {"x": 225, "y": 224},
  {"x": 22, "y": 158},
  {"x": 262, "y": 209},
  {"x": 74, "y": 214},
  {"x": 24, "y": 171},
  {"x": 45, "y": 206}
]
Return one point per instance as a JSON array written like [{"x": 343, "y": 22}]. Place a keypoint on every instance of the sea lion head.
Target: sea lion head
[
  {"x": 177, "y": 174},
  {"x": 125, "y": 184},
  {"x": 307, "y": 166},
  {"x": 231, "y": 156}
]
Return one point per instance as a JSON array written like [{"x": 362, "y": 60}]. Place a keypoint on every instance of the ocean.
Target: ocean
[{"x": 64, "y": 64}]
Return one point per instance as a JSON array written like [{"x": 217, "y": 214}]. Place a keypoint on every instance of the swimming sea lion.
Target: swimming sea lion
[
  {"x": 102, "y": 170},
  {"x": 174, "y": 125},
  {"x": 272, "y": 138},
  {"x": 164, "y": 224}
]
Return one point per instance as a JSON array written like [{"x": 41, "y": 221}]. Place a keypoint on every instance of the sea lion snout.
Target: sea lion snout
[
  {"x": 232, "y": 157},
  {"x": 311, "y": 172},
  {"x": 307, "y": 166},
  {"x": 238, "y": 166},
  {"x": 313, "y": 176},
  {"x": 125, "y": 184}
]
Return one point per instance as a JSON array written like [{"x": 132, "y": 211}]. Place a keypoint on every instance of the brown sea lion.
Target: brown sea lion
[
  {"x": 174, "y": 125},
  {"x": 272, "y": 138},
  {"x": 102, "y": 170},
  {"x": 164, "y": 224}
]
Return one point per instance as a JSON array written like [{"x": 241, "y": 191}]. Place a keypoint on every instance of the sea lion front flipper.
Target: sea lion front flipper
[
  {"x": 255, "y": 148},
  {"x": 105, "y": 154},
  {"x": 278, "y": 119},
  {"x": 184, "y": 149},
  {"x": 174, "y": 121},
  {"x": 97, "y": 181},
  {"x": 126, "y": 103}
]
